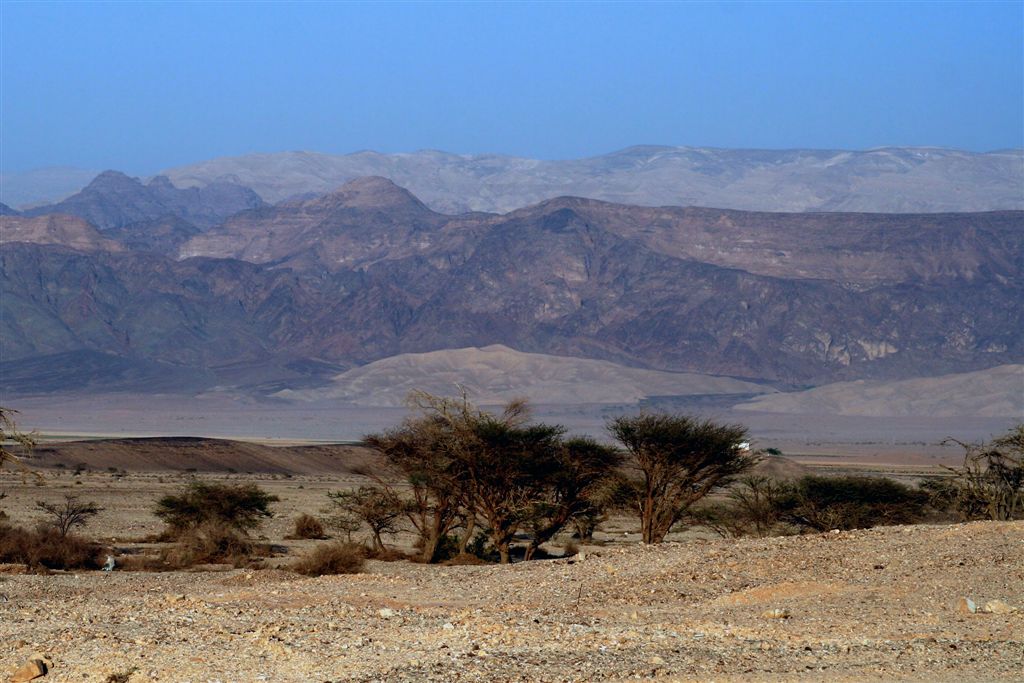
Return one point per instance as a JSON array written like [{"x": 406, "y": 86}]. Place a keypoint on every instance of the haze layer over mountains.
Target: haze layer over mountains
[
  {"x": 892, "y": 179},
  {"x": 296, "y": 276}
]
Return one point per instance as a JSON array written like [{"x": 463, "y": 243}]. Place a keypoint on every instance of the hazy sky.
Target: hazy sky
[{"x": 145, "y": 86}]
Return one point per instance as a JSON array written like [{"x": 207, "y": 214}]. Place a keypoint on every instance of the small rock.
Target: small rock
[
  {"x": 30, "y": 670},
  {"x": 448, "y": 626},
  {"x": 657, "y": 661},
  {"x": 386, "y": 612},
  {"x": 966, "y": 606},
  {"x": 997, "y": 607},
  {"x": 776, "y": 614}
]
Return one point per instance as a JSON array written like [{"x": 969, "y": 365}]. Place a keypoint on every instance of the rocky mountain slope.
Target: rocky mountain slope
[
  {"x": 57, "y": 229},
  {"x": 114, "y": 200},
  {"x": 287, "y": 296},
  {"x": 888, "y": 180}
]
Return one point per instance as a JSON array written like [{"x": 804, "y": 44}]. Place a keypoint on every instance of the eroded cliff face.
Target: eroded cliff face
[{"x": 368, "y": 272}]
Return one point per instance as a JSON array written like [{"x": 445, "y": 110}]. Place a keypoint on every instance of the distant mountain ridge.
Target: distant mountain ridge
[
  {"x": 884, "y": 180},
  {"x": 114, "y": 200},
  {"x": 286, "y": 297},
  {"x": 887, "y": 180}
]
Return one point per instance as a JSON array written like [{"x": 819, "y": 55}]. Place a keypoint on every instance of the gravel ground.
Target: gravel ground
[{"x": 877, "y": 604}]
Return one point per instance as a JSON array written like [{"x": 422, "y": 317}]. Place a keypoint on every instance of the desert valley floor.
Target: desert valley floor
[{"x": 879, "y": 604}]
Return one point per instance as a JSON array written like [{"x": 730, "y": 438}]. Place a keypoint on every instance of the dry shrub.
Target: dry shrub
[
  {"x": 570, "y": 549},
  {"x": 332, "y": 558},
  {"x": 386, "y": 555},
  {"x": 464, "y": 559},
  {"x": 212, "y": 543},
  {"x": 141, "y": 563},
  {"x": 45, "y": 548},
  {"x": 307, "y": 526}
]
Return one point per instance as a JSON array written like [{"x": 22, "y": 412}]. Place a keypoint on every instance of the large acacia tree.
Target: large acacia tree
[
  {"x": 496, "y": 471},
  {"x": 678, "y": 459}
]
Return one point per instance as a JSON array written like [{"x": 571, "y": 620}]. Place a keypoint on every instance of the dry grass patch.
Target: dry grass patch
[
  {"x": 332, "y": 558},
  {"x": 46, "y": 548}
]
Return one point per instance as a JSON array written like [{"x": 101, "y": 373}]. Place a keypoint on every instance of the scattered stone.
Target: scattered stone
[
  {"x": 448, "y": 626},
  {"x": 30, "y": 670},
  {"x": 776, "y": 613},
  {"x": 966, "y": 606},
  {"x": 997, "y": 607},
  {"x": 386, "y": 612}
]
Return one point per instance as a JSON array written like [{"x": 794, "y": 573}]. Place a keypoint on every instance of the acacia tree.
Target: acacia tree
[
  {"x": 375, "y": 506},
  {"x": 990, "y": 483},
  {"x": 506, "y": 475},
  {"x": 70, "y": 514},
  {"x": 579, "y": 486},
  {"x": 423, "y": 452},
  {"x": 678, "y": 460},
  {"x": 241, "y": 507}
]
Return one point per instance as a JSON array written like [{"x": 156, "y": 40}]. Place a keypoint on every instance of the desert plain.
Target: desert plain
[{"x": 879, "y": 604}]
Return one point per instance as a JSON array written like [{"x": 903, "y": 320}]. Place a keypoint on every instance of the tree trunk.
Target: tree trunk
[
  {"x": 468, "y": 535},
  {"x": 430, "y": 543},
  {"x": 504, "y": 554}
]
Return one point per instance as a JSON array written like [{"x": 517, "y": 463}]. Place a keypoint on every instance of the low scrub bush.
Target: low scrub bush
[
  {"x": 332, "y": 558},
  {"x": 754, "y": 506},
  {"x": 464, "y": 559},
  {"x": 46, "y": 548},
  {"x": 212, "y": 543},
  {"x": 758, "y": 506},
  {"x": 386, "y": 555},
  {"x": 307, "y": 526},
  {"x": 854, "y": 502}
]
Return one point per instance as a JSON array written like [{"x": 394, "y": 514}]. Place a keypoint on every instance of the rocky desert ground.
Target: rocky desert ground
[{"x": 881, "y": 604}]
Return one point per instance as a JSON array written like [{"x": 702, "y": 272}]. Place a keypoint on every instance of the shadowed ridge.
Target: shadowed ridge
[{"x": 370, "y": 192}]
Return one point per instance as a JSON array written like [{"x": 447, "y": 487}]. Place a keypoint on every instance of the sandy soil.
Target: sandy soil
[{"x": 865, "y": 605}]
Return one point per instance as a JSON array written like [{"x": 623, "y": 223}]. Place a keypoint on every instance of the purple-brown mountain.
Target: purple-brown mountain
[
  {"x": 286, "y": 295},
  {"x": 115, "y": 200}
]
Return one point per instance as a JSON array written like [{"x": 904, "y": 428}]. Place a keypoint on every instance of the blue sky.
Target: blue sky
[{"x": 145, "y": 86}]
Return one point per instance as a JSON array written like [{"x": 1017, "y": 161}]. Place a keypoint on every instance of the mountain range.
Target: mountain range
[
  {"x": 886, "y": 180},
  {"x": 193, "y": 282},
  {"x": 148, "y": 286}
]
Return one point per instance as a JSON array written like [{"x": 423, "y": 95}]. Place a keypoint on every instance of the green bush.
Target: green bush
[
  {"x": 240, "y": 507},
  {"x": 854, "y": 502},
  {"x": 759, "y": 506}
]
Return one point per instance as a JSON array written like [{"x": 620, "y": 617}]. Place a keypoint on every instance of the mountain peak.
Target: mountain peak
[
  {"x": 372, "y": 192},
  {"x": 112, "y": 180}
]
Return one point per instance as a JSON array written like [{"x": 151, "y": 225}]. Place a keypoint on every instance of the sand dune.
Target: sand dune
[
  {"x": 996, "y": 392},
  {"x": 495, "y": 374}
]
